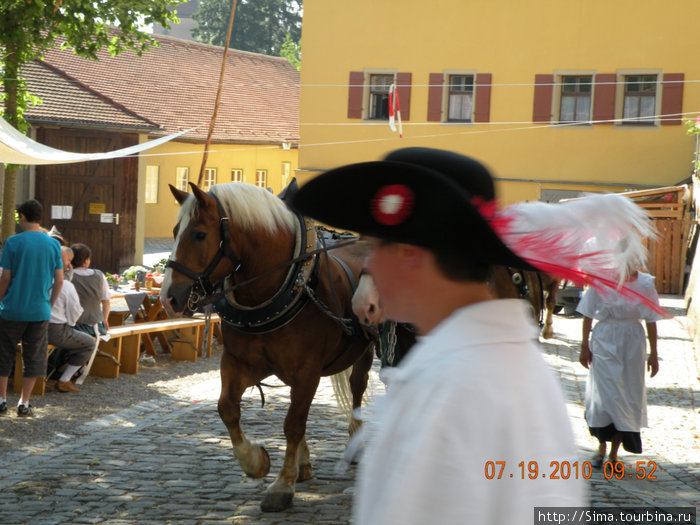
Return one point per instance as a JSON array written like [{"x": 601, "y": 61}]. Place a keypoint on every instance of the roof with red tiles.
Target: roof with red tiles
[
  {"x": 174, "y": 85},
  {"x": 67, "y": 101}
]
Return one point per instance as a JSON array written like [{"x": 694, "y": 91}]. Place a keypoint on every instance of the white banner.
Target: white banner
[{"x": 16, "y": 148}]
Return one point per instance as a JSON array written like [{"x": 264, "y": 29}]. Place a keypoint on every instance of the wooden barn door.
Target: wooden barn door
[{"x": 93, "y": 203}]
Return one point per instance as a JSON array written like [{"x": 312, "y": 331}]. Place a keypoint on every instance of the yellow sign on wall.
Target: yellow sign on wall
[{"x": 97, "y": 208}]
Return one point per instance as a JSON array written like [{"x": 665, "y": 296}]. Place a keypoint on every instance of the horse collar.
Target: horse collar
[{"x": 287, "y": 301}]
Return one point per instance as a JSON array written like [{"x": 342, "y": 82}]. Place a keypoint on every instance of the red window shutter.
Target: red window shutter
[
  {"x": 482, "y": 97},
  {"x": 435, "y": 97},
  {"x": 403, "y": 88},
  {"x": 542, "y": 107},
  {"x": 604, "y": 98},
  {"x": 357, "y": 84},
  {"x": 672, "y": 101}
]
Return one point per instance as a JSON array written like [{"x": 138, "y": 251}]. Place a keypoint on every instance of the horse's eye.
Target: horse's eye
[{"x": 200, "y": 236}]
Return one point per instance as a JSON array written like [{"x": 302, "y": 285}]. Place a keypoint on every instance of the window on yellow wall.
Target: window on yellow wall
[
  {"x": 209, "y": 178},
  {"x": 575, "y": 103},
  {"x": 286, "y": 173},
  {"x": 261, "y": 178},
  {"x": 640, "y": 99},
  {"x": 182, "y": 177},
  {"x": 236, "y": 175},
  {"x": 379, "y": 96},
  {"x": 461, "y": 98},
  {"x": 152, "y": 173}
]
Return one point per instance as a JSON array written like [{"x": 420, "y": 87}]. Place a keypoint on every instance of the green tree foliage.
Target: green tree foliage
[
  {"x": 291, "y": 51},
  {"x": 29, "y": 27},
  {"x": 260, "y": 26}
]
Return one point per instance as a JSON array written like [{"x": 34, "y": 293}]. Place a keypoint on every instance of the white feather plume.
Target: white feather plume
[{"x": 599, "y": 235}]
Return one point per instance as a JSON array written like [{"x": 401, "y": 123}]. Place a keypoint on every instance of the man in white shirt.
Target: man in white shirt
[
  {"x": 77, "y": 345},
  {"x": 474, "y": 427}
]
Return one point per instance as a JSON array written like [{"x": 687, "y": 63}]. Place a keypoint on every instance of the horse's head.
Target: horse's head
[
  {"x": 196, "y": 258},
  {"x": 366, "y": 304}
]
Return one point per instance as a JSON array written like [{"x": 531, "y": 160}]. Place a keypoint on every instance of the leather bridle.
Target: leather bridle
[{"x": 202, "y": 286}]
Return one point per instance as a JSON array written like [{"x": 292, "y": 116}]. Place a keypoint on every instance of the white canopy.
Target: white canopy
[{"x": 16, "y": 148}]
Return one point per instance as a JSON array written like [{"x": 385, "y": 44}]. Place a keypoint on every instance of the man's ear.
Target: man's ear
[{"x": 413, "y": 256}]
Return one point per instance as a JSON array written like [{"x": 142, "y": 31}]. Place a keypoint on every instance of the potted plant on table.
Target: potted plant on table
[{"x": 113, "y": 280}]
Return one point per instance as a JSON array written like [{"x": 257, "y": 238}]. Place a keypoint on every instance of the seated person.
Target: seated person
[
  {"x": 77, "y": 345},
  {"x": 93, "y": 291}
]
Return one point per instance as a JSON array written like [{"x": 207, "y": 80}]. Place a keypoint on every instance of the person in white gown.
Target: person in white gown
[{"x": 616, "y": 356}]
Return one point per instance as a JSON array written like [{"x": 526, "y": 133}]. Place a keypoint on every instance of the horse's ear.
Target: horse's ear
[
  {"x": 179, "y": 195},
  {"x": 199, "y": 195}
]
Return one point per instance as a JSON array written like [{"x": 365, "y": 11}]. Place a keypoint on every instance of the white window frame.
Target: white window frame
[
  {"x": 209, "y": 178},
  {"x": 180, "y": 180},
  {"x": 286, "y": 172},
  {"x": 152, "y": 182},
  {"x": 236, "y": 175},
  {"x": 258, "y": 182}
]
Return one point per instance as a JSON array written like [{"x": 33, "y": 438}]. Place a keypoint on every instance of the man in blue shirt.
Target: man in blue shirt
[{"x": 31, "y": 279}]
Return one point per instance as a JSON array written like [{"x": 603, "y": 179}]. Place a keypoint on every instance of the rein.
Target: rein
[
  {"x": 203, "y": 294},
  {"x": 216, "y": 296}
]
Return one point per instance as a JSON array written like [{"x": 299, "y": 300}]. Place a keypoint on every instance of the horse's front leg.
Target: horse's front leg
[
  {"x": 550, "y": 303},
  {"x": 252, "y": 458},
  {"x": 358, "y": 384},
  {"x": 280, "y": 494}
]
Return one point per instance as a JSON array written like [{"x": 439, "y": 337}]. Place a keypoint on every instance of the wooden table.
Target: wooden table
[{"x": 148, "y": 311}]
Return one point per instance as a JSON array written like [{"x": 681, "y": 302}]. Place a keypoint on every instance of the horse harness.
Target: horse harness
[
  {"x": 517, "y": 277},
  {"x": 296, "y": 291}
]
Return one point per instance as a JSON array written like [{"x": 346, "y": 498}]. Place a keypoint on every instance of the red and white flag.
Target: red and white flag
[{"x": 394, "y": 110}]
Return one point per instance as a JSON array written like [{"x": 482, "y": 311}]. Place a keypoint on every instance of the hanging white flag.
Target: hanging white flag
[{"x": 394, "y": 110}]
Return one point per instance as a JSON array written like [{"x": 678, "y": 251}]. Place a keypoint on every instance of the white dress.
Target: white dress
[
  {"x": 615, "y": 392},
  {"x": 471, "y": 396}
]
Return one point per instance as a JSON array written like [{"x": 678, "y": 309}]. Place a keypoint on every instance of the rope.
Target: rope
[{"x": 218, "y": 95}]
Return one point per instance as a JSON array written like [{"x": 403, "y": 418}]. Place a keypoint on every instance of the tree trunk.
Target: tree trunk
[{"x": 9, "y": 191}]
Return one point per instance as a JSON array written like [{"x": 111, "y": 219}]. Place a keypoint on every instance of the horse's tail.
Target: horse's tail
[
  {"x": 343, "y": 396},
  {"x": 341, "y": 390}
]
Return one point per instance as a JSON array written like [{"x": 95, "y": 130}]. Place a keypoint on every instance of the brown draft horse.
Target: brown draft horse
[
  {"x": 237, "y": 233},
  {"x": 539, "y": 289}
]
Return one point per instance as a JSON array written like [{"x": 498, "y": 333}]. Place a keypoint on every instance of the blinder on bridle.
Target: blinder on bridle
[{"x": 202, "y": 286}]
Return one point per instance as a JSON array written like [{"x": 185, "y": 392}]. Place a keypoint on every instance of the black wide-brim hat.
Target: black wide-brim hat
[{"x": 425, "y": 197}]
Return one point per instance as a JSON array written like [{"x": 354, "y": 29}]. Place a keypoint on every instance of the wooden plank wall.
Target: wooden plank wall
[{"x": 667, "y": 255}]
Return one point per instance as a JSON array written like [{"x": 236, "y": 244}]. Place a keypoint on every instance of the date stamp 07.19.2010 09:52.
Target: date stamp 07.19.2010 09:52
[{"x": 567, "y": 470}]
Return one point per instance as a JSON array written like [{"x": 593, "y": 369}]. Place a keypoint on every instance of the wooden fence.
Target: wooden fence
[{"x": 669, "y": 209}]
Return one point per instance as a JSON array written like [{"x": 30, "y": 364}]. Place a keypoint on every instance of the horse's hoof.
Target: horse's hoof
[
  {"x": 277, "y": 501},
  {"x": 354, "y": 426},
  {"x": 304, "y": 472},
  {"x": 261, "y": 467},
  {"x": 548, "y": 332}
]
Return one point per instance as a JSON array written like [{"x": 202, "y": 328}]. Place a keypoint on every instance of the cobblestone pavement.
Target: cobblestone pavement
[{"x": 170, "y": 460}]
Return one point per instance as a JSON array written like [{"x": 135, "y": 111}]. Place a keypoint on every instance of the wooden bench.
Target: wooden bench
[
  {"x": 125, "y": 343},
  {"x": 214, "y": 331},
  {"x": 118, "y": 316},
  {"x": 40, "y": 385}
]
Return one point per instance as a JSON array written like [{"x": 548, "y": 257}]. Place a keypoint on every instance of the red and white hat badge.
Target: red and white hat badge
[{"x": 392, "y": 204}]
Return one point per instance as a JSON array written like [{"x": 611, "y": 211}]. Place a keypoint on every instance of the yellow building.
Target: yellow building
[
  {"x": 173, "y": 87},
  {"x": 177, "y": 163},
  {"x": 555, "y": 97}
]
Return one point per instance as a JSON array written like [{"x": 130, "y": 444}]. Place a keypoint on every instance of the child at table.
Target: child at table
[{"x": 93, "y": 291}]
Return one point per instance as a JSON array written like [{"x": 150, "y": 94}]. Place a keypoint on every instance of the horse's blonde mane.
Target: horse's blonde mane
[{"x": 247, "y": 207}]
